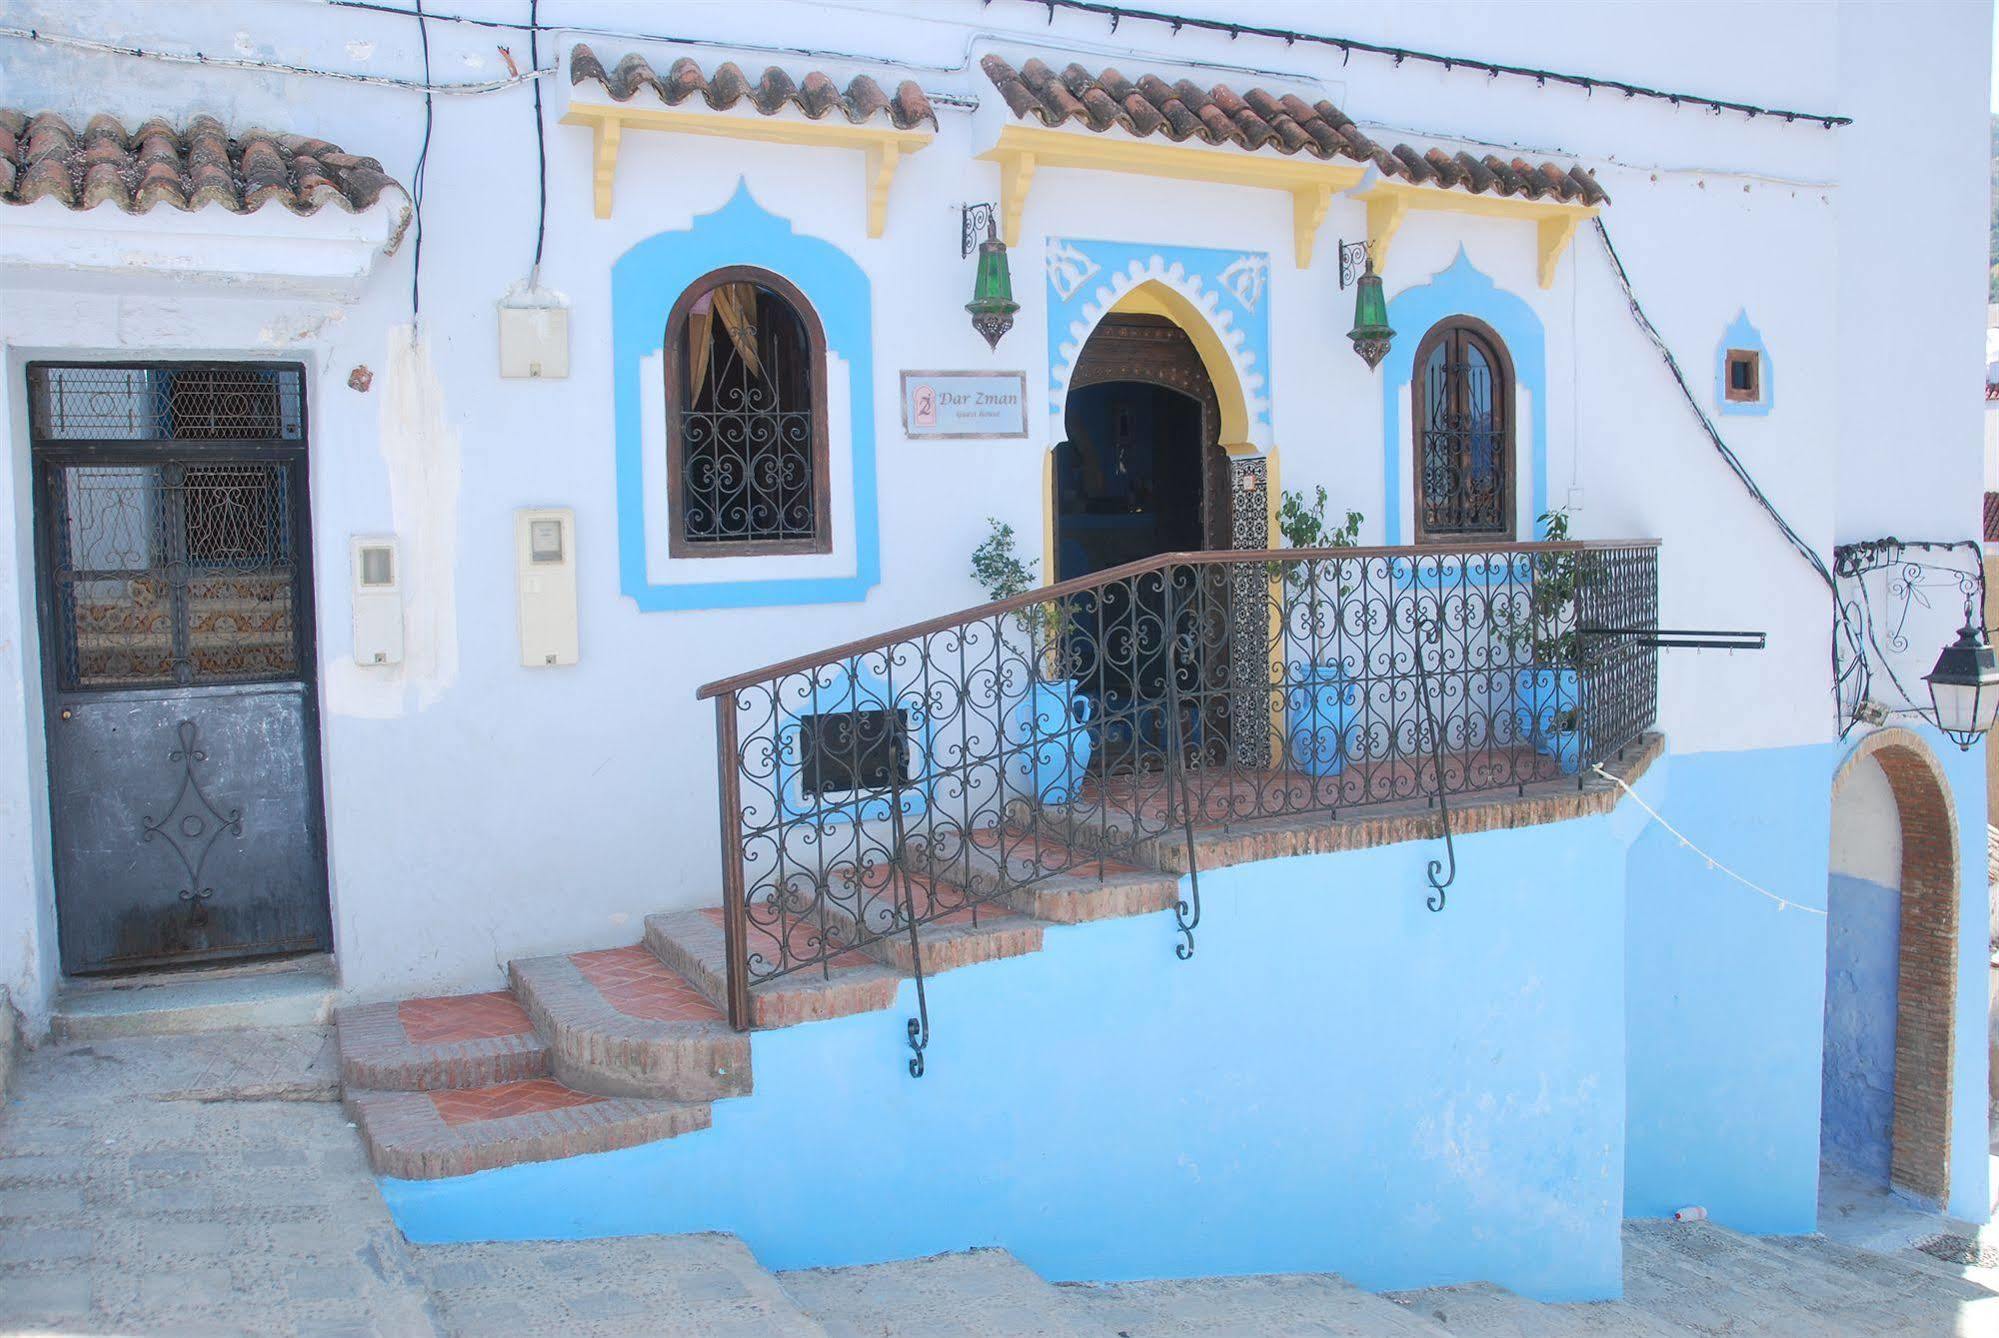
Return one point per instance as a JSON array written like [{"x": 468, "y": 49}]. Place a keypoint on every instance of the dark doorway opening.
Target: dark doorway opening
[{"x": 1141, "y": 473}]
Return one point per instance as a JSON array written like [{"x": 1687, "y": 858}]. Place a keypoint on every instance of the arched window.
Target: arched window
[
  {"x": 1463, "y": 419},
  {"x": 746, "y": 418}
]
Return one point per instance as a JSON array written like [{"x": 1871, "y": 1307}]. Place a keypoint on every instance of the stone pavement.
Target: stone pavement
[{"x": 209, "y": 1184}]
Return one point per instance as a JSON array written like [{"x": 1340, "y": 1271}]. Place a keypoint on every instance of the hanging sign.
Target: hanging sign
[{"x": 964, "y": 404}]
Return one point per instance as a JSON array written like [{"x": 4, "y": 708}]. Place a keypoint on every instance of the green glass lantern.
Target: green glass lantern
[
  {"x": 992, "y": 305},
  {"x": 1370, "y": 334}
]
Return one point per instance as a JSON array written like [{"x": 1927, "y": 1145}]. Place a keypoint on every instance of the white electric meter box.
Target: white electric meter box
[
  {"x": 534, "y": 341},
  {"x": 545, "y": 569},
  {"x": 378, "y": 599}
]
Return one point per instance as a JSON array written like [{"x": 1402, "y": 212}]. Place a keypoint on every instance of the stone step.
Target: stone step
[
  {"x": 1491, "y": 1311},
  {"x": 296, "y": 992},
  {"x": 1303, "y": 1303},
  {"x": 691, "y": 942},
  {"x": 619, "y": 1022},
  {"x": 1703, "y": 1276},
  {"x": 429, "y": 1135},
  {"x": 1908, "y": 1273},
  {"x": 1042, "y": 877},
  {"x": 465, "y": 1040},
  {"x": 982, "y": 1292}
]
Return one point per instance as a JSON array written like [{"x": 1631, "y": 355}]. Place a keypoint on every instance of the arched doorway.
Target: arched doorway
[
  {"x": 1141, "y": 471},
  {"x": 1891, "y": 968}
]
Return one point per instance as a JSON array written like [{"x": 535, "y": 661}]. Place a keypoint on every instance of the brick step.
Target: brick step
[
  {"x": 691, "y": 942},
  {"x": 429, "y": 1135},
  {"x": 1046, "y": 878},
  {"x": 619, "y": 1022},
  {"x": 455, "y": 1041},
  {"x": 964, "y": 932}
]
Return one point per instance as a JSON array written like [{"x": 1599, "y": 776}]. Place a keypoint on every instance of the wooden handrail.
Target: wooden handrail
[{"x": 1078, "y": 585}]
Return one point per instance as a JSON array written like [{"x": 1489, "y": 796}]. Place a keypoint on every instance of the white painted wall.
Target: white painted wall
[{"x": 478, "y": 810}]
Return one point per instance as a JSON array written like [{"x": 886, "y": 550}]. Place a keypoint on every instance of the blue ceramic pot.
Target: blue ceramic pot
[
  {"x": 1317, "y": 709},
  {"x": 1054, "y": 722}
]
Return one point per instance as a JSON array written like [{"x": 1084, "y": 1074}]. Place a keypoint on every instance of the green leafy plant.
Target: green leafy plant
[
  {"x": 1003, "y": 573},
  {"x": 1550, "y": 633},
  {"x": 1303, "y": 523}
]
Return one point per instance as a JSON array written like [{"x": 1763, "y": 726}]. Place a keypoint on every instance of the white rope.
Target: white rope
[{"x": 1783, "y": 904}]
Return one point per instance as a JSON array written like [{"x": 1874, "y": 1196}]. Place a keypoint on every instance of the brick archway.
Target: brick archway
[{"x": 1926, "y": 974}]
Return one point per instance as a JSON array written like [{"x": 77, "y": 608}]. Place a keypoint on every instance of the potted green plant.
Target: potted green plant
[
  {"x": 1547, "y": 689},
  {"x": 1318, "y": 696},
  {"x": 1048, "y": 733}
]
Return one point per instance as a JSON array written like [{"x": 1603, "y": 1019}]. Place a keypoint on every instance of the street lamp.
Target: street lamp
[
  {"x": 1964, "y": 686},
  {"x": 1370, "y": 334}
]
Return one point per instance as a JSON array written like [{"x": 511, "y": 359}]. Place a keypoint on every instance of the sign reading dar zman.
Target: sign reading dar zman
[{"x": 964, "y": 404}]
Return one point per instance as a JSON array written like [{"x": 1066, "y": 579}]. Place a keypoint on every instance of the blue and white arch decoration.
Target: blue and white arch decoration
[
  {"x": 1463, "y": 290},
  {"x": 1229, "y": 288},
  {"x": 1741, "y": 334},
  {"x": 645, "y": 283}
]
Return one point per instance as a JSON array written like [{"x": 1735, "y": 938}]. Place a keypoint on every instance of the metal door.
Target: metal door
[{"x": 175, "y": 590}]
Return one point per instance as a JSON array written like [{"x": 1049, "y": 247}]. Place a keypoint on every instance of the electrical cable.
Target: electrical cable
[
  {"x": 1734, "y": 462},
  {"x": 1349, "y": 45},
  {"x": 540, "y": 147},
  {"x": 266, "y": 66},
  {"x": 416, "y": 181},
  {"x": 1783, "y": 903}
]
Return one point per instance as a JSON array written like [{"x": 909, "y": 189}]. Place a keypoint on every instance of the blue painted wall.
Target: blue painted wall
[
  {"x": 1338, "y": 1080},
  {"x": 1857, "y": 1087},
  {"x": 1725, "y": 1027},
  {"x": 645, "y": 283},
  {"x": 1726, "y": 991}
]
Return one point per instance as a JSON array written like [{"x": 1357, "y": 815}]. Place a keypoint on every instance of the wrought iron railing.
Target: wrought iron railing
[{"x": 873, "y": 790}]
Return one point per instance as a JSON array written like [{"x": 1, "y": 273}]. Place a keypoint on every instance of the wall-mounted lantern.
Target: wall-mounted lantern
[
  {"x": 992, "y": 305},
  {"x": 1370, "y": 334},
  {"x": 1964, "y": 687}
]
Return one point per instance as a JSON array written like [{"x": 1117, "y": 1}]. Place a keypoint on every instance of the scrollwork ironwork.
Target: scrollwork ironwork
[{"x": 1882, "y": 586}]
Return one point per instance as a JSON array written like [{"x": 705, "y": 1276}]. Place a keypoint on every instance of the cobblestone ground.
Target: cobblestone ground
[{"x": 210, "y": 1185}]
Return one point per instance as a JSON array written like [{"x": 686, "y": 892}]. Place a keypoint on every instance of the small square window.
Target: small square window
[
  {"x": 1745, "y": 376},
  {"x": 853, "y": 750}
]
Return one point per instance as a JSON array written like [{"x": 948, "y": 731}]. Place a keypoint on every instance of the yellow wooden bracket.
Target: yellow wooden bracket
[
  {"x": 1555, "y": 223},
  {"x": 883, "y": 147},
  {"x": 1024, "y": 150}
]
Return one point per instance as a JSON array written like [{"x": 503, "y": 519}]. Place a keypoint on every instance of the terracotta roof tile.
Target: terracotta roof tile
[
  {"x": 817, "y": 95},
  {"x": 45, "y": 157},
  {"x": 1258, "y": 119}
]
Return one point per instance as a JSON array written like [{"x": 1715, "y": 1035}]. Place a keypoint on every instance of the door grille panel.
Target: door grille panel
[{"x": 174, "y": 574}]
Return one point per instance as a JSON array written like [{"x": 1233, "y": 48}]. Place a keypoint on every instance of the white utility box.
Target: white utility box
[
  {"x": 378, "y": 599},
  {"x": 534, "y": 339},
  {"x": 545, "y": 570}
]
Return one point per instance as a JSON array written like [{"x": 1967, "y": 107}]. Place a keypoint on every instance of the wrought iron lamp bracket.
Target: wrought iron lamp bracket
[
  {"x": 1354, "y": 260},
  {"x": 1867, "y": 641},
  {"x": 976, "y": 222}
]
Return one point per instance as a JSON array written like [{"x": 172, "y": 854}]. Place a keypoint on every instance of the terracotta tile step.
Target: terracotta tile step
[
  {"x": 456, "y": 1041},
  {"x": 692, "y": 943},
  {"x": 619, "y": 1022},
  {"x": 964, "y": 932},
  {"x": 428, "y": 1135}
]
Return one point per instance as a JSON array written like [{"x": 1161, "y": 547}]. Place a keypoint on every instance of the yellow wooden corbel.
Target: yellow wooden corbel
[
  {"x": 1016, "y": 180},
  {"x": 1553, "y": 236},
  {"x": 605, "y": 133},
  {"x": 882, "y": 160},
  {"x": 1385, "y": 212},
  {"x": 1308, "y": 209}
]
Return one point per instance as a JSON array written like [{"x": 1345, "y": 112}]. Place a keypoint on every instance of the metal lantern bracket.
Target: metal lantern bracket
[
  {"x": 1355, "y": 257},
  {"x": 978, "y": 220},
  {"x": 1880, "y": 584},
  {"x": 1681, "y": 638}
]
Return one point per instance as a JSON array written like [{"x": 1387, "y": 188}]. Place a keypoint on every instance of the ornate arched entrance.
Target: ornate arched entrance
[{"x": 1892, "y": 822}]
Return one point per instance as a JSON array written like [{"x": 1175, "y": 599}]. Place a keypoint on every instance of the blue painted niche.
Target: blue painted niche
[
  {"x": 645, "y": 283},
  {"x": 1463, "y": 290},
  {"x": 1741, "y": 334}
]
